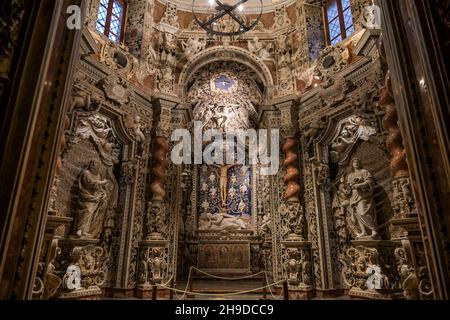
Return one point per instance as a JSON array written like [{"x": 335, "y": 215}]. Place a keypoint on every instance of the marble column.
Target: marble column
[
  {"x": 153, "y": 250},
  {"x": 297, "y": 263},
  {"x": 156, "y": 214},
  {"x": 290, "y": 150}
]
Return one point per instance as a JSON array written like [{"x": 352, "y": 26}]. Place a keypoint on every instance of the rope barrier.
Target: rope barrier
[
  {"x": 222, "y": 294},
  {"x": 226, "y": 278},
  {"x": 165, "y": 284},
  {"x": 188, "y": 283},
  {"x": 270, "y": 289}
]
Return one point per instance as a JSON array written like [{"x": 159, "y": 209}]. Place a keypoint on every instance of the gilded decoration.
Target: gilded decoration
[{"x": 339, "y": 215}]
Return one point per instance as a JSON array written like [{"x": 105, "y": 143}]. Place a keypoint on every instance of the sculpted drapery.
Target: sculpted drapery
[
  {"x": 361, "y": 203},
  {"x": 92, "y": 201}
]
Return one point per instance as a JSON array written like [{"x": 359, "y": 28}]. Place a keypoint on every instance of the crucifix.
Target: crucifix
[
  {"x": 223, "y": 182},
  {"x": 223, "y": 82}
]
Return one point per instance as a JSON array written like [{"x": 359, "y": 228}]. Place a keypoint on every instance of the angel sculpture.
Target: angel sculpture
[{"x": 135, "y": 126}]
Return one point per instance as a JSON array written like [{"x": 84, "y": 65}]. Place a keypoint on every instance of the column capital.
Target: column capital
[{"x": 164, "y": 104}]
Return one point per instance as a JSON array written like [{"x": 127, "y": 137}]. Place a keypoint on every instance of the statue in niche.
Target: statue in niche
[
  {"x": 257, "y": 47},
  {"x": 361, "y": 202},
  {"x": 92, "y": 201}
]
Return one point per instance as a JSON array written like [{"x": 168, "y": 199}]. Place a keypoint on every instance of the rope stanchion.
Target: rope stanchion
[
  {"x": 265, "y": 289},
  {"x": 191, "y": 278},
  {"x": 186, "y": 288},
  {"x": 154, "y": 292},
  {"x": 270, "y": 289},
  {"x": 170, "y": 291},
  {"x": 285, "y": 290}
]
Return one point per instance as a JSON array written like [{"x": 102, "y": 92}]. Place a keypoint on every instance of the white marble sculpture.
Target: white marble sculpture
[
  {"x": 92, "y": 201},
  {"x": 361, "y": 203}
]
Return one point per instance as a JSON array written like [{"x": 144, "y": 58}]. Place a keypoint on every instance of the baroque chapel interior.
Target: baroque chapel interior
[{"x": 106, "y": 104}]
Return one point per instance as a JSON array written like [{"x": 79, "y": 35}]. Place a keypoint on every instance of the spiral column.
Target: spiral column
[
  {"x": 154, "y": 248},
  {"x": 394, "y": 141},
  {"x": 159, "y": 168},
  {"x": 156, "y": 214},
  {"x": 289, "y": 125},
  {"x": 290, "y": 164}
]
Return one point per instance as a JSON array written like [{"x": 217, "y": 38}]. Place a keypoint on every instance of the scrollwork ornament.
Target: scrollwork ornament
[
  {"x": 116, "y": 89},
  {"x": 294, "y": 221},
  {"x": 128, "y": 172},
  {"x": 156, "y": 220}
]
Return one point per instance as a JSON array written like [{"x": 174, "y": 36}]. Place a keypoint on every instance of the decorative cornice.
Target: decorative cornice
[{"x": 200, "y": 8}]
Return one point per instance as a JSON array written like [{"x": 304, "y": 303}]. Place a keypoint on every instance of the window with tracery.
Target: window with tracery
[
  {"x": 338, "y": 21},
  {"x": 110, "y": 19}
]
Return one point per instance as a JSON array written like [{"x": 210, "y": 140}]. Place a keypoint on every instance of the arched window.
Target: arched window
[
  {"x": 338, "y": 21},
  {"x": 111, "y": 19}
]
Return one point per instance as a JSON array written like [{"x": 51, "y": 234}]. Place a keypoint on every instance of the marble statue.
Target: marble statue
[
  {"x": 135, "y": 126},
  {"x": 192, "y": 46},
  {"x": 283, "y": 43},
  {"x": 313, "y": 131},
  {"x": 80, "y": 99},
  {"x": 92, "y": 201},
  {"x": 224, "y": 221},
  {"x": 72, "y": 277},
  {"x": 258, "y": 48},
  {"x": 362, "y": 206},
  {"x": 353, "y": 130}
]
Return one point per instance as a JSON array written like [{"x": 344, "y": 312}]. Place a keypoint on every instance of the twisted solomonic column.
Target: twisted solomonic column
[
  {"x": 159, "y": 168},
  {"x": 292, "y": 175},
  {"x": 156, "y": 213},
  {"x": 394, "y": 141}
]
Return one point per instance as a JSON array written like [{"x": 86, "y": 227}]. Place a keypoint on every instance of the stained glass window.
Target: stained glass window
[
  {"x": 338, "y": 20},
  {"x": 110, "y": 19}
]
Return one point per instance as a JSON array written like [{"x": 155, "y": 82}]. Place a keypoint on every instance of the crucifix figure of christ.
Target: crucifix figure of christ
[{"x": 223, "y": 182}]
